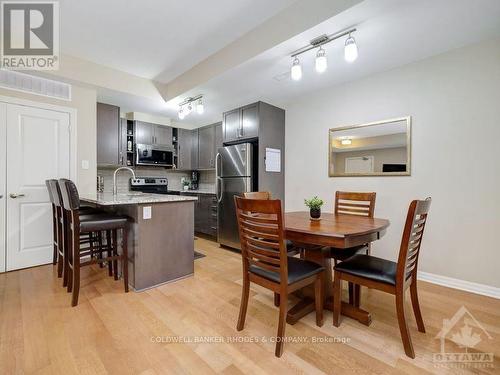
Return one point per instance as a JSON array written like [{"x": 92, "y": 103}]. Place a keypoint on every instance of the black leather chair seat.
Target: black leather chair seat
[
  {"x": 102, "y": 221},
  {"x": 369, "y": 267},
  {"x": 298, "y": 269},
  {"x": 344, "y": 254}
]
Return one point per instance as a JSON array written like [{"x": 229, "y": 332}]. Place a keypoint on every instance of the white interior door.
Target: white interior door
[
  {"x": 362, "y": 164},
  {"x": 3, "y": 183},
  {"x": 38, "y": 148}
]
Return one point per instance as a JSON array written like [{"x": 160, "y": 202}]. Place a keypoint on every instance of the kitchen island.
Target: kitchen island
[{"x": 161, "y": 235}]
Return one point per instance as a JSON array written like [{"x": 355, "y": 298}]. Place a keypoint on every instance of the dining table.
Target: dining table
[{"x": 316, "y": 237}]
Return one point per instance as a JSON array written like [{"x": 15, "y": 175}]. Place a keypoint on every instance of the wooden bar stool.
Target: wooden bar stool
[
  {"x": 89, "y": 223},
  {"x": 266, "y": 262},
  {"x": 391, "y": 277}
]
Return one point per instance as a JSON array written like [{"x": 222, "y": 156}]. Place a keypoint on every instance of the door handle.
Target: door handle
[
  {"x": 13, "y": 195},
  {"x": 1, "y": 196},
  {"x": 218, "y": 187}
]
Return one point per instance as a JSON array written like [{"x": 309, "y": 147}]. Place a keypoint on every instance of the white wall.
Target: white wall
[
  {"x": 454, "y": 102},
  {"x": 84, "y": 100}
]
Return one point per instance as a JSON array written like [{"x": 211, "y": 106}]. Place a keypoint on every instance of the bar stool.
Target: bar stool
[
  {"x": 80, "y": 224},
  {"x": 59, "y": 227}
]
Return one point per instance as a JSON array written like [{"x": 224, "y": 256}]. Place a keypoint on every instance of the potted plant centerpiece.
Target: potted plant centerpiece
[{"x": 314, "y": 205}]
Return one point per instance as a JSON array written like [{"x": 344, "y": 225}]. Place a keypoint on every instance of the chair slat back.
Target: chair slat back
[
  {"x": 412, "y": 239},
  {"x": 260, "y": 223},
  {"x": 257, "y": 195},
  {"x": 352, "y": 203}
]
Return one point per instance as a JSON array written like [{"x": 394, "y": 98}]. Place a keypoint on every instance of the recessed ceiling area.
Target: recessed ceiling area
[{"x": 390, "y": 33}]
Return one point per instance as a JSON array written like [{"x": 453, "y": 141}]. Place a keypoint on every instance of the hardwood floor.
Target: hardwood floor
[{"x": 117, "y": 333}]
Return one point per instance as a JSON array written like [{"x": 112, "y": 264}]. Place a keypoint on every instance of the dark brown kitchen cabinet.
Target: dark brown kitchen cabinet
[
  {"x": 153, "y": 134},
  {"x": 109, "y": 140},
  {"x": 162, "y": 135},
  {"x": 194, "y": 149},
  {"x": 205, "y": 213},
  {"x": 219, "y": 137},
  {"x": 241, "y": 123},
  {"x": 185, "y": 143},
  {"x": 231, "y": 125},
  {"x": 206, "y": 147},
  {"x": 144, "y": 133}
]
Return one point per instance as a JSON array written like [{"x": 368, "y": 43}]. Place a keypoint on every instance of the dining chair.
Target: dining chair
[
  {"x": 56, "y": 227},
  {"x": 292, "y": 248},
  {"x": 359, "y": 204},
  {"x": 266, "y": 262},
  {"x": 80, "y": 224},
  {"x": 387, "y": 276}
]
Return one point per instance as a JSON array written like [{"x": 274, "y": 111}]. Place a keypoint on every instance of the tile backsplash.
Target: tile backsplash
[{"x": 207, "y": 178}]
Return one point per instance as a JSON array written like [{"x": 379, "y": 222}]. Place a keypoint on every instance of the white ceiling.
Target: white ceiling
[
  {"x": 157, "y": 39},
  {"x": 390, "y": 33}
]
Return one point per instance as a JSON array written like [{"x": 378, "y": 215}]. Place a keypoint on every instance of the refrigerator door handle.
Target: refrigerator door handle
[
  {"x": 218, "y": 187},
  {"x": 217, "y": 157}
]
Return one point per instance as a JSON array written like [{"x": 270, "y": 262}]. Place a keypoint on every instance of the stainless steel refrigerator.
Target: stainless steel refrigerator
[{"x": 235, "y": 175}]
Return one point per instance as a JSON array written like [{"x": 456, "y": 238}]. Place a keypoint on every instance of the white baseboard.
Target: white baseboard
[{"x": 468, "y": 286}]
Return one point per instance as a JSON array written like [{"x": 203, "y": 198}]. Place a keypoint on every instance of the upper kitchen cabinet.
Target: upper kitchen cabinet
[
  {"x": 194, "y": 149},
  {"x": 219, "y": 137},
  {"x": 152, "y": 134},
  {"x": 206, "y": 147},
  {"x": 109, "y": 139},
  {"x": 144, "y": 133},
  {"x": 241, "y": 123},
  {"x": 231, "y": 125},
  {"x": 162, "y": 135},
  {"x": 184, "y": 150}
]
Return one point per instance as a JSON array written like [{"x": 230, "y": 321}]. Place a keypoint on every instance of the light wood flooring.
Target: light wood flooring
[{"x": 111, "y": 332}]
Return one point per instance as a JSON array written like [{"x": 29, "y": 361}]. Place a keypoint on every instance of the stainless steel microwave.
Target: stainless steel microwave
[{"x": 154, "y": 155}]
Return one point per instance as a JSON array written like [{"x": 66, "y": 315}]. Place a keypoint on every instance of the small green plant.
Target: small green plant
[{"x": 314, "y": 203}]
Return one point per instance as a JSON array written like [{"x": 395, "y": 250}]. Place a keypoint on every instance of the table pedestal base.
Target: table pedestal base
[{"x": 306, "y": 306}]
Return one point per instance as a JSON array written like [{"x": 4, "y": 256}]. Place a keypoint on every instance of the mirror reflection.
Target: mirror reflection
[{"x": 375, "y": 149}]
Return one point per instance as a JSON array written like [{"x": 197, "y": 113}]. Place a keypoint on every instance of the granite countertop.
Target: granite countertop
[
  {"x": 108, "y": 199},
  {"x": 200, "y": 191}
]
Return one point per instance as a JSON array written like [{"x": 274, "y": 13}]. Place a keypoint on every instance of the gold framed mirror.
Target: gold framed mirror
[{"x": 380, "y": 148}]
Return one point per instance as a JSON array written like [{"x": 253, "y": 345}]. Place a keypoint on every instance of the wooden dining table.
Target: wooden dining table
[{"x": 315, "y": 236}]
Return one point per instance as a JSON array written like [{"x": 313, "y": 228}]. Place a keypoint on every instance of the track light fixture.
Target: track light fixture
[
  {"x": 321, "y": 63},
  {"x": 296, "y": 71},
  {"x": 186, "y": 106}
]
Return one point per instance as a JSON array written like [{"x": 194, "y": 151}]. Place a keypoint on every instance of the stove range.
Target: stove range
[{"x": 155, "y": 185}]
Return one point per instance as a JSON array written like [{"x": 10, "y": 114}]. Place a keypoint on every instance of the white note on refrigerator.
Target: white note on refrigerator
[{"x": 273, "y": 160}]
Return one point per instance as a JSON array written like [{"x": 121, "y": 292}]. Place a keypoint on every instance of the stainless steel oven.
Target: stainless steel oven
[{"x": 154, "y": 155}]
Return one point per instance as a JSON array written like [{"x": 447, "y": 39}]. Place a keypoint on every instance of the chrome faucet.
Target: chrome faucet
[{"x": 115, "y": 188}]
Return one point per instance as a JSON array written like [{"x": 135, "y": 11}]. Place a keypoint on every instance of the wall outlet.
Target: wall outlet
[
  {"x": 85, "y": 164},
  {"x": 146, "y": 213}
]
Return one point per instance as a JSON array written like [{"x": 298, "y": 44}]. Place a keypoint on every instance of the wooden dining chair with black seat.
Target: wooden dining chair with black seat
[
  {"x": 388, "y": 276},
  {"x": 266, "y": 262},
  {"x": 359, "y": 204},
  {"x": 88, "y": 223},
  {"x": 292, "y": 248}
]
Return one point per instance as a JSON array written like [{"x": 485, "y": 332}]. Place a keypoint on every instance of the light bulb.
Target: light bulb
[
  {"x": 350, "y": 49},
  {"x": 181, "y": 114},
  {"x": 189, "y": 108},
  {"x": 199, "y": 107},
  {"x": 346, "y": 142},
  {"x": 296, "y": 71},
  {"x": 321, "y": 61}
]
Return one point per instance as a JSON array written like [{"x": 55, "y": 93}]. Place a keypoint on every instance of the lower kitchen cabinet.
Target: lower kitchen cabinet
[{"x": 205, "y": 213}]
